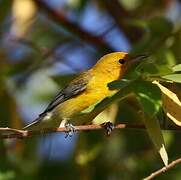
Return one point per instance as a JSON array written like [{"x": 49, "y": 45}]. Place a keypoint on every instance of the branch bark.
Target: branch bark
[
  {"x": 6, "y": 133},
  {"x": 74, "y": 28},
  {"x": 164, "y": 169}
]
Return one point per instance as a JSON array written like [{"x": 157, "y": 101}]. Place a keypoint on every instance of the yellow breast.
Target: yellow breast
[{"x": 96, "y": 90}]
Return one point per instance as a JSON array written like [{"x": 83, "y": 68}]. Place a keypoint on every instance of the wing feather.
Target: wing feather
[{"x": 75, "y": 87}]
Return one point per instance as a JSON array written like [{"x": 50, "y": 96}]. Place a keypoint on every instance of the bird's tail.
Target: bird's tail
[{"x": 35, "y": 125}]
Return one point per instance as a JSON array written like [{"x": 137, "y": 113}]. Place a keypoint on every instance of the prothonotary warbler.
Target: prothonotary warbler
[{"x": 85, "y": 90}]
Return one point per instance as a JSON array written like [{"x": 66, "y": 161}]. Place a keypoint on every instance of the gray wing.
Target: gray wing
[{"x": 75, "y": 87}]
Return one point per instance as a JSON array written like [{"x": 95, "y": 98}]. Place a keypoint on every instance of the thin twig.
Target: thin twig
[
  {"x": 16, "y": 133},
  {"x": 164, "y": 169}
]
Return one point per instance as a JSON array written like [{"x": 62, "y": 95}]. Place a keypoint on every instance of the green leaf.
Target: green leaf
[
  {"x": 173, "y": 77},
  {"x": 90, "y": 108},
  {"x": 156, "y": 26},
  {"x": 119, "y": 84},
  {"x": 156, "y": 32},
  {"x": 164, "y": 69},
  {"x": 148, "y": 95},
  {"x": 177, "y": 68},
  {"x": 156, "y": 136},
  {"x": 153, "y": 69},
  {"x": 92, "y": 111}
]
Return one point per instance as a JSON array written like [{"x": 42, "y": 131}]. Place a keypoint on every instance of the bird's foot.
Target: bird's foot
[
  {"x": 108, "y": 126},
  {"x": 70, "y": 129}
]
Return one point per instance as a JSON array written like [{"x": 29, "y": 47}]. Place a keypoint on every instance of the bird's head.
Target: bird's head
[{"x": 116, "y": 63}]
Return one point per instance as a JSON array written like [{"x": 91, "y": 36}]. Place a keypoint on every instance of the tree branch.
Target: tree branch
[
  {"x": 121, "y": 17},
  {"x": 74, "y": 28},
  {"x": 164, "y": 169},
  {"x": 15, "y": 133}
]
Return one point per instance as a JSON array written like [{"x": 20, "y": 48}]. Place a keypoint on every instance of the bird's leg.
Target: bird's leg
[
  {"x": 108, "y": 126},
  {"x": 70, "y": 129}
]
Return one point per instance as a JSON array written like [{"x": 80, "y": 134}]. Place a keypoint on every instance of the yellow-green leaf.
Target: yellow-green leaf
[
  {"x": 156, "y": 136},
  {"x": 177, "y": 68},
  {"x": 171, "y": 103}
]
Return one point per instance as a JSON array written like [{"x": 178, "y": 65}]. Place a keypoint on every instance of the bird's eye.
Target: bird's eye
[{"x": 122, "y": 61}]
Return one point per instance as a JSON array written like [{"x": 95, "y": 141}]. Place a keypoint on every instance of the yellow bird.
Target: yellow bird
[{"x": 85, "y": 90}]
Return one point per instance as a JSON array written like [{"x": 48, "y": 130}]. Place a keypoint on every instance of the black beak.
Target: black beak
[{"x": 137, "y": 58}]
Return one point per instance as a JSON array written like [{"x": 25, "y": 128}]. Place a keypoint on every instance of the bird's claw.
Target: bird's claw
[
  {"x": 108, "y": 126},
  {"x": 70, "y": 129}
]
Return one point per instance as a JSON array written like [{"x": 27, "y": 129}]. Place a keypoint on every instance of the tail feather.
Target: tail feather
[
  {"x": 42, "y": 122},
  {"x": 35, "y": 125}
]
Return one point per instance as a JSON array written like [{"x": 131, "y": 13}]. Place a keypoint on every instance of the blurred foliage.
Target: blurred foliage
[{"x": 35, "y": 41}]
